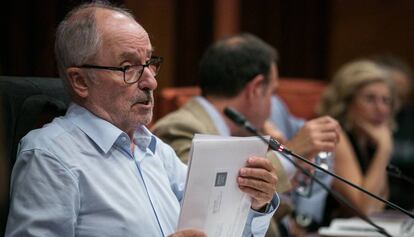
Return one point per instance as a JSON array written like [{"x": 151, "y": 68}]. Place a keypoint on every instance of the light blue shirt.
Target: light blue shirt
[
  {"x": 289, "y": 125},
  {"x": 77, "y": 177}
]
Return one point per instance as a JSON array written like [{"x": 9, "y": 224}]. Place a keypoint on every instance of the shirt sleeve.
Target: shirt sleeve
[
  {"x": 257, "y": 223},
  {"x": 280, "y": 115},
  {"x": 44, "y": 197},
  {"x": 175, "y": 168}
]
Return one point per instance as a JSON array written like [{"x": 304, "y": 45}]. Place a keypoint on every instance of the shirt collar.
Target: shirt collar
[
  {"x": 215, "y": 116},
  {"x": 104, "y": 133},
  {"x": 144, "y": 139}
]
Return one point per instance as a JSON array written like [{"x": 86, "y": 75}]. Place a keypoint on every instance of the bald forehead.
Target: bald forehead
[
  {"x": 237, "y": 40},
  {"x": 104, "y": 14},
  {"x": 110, "y": 22},
  {"x": 108, "y": 17},
  {"x": 122, "y": 37}
]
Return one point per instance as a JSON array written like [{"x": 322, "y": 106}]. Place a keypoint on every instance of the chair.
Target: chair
[
  {"x": 300, "y": 95},
  {"x": 26, "y": 103},
  {"x": 29, "y": 103},
  {"x": 172, "y": 98}
]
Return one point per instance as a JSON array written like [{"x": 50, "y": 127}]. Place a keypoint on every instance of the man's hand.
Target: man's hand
[
  {"x": 188, "y": 233},
  {"x": 316, "y": 135},
  {"x": 270, "y": 129},
  {"x": 258, "y": 179}
]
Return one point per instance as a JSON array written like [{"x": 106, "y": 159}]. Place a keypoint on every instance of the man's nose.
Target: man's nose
[{"x": 148, "y": 80}]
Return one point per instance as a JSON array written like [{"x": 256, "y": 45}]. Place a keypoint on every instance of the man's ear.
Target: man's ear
[
  {"x": 77, "y": 80},
  {"x": 254, "y": 89}
]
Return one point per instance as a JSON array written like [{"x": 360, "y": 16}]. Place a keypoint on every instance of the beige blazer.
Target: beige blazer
[{"x": 178, "y": 128}]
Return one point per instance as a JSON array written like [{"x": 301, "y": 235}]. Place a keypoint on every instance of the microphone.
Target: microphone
[
  {"x": 395, "y": 172},
  {"x": 338, "y": 197},
  {"x": 275, "y": 145},
  {"x": 241, "y": 121}
]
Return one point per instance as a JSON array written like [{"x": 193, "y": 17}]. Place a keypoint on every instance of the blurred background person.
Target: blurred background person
[
  {"x": 240, "y": 72},
  {"x": 304, "y": 138},
  {"x": 361, "y": 97},
  {"x": 230, "y": 71},
  {"x": 401, "y": 189}
]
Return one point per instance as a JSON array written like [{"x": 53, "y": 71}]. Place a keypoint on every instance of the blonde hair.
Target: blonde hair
[{"x": 348, "y": 80}]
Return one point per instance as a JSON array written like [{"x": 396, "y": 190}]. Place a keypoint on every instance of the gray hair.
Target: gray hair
[{"x": 77, "y": 38}]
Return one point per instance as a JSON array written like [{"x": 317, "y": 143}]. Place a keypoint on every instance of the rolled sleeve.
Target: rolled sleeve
[{"x": 257, "y": 222}]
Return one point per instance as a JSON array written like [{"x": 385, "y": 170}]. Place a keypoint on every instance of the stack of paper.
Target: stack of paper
[{"x": 213, "y": 202}]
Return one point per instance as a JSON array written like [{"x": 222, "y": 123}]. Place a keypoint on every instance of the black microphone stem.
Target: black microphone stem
[
  {"x": 395, "y": 172},
  {"x": 336, "y": 195},
  {"x": 275, "y": 145},
  {"x": 402, "y": 177}
]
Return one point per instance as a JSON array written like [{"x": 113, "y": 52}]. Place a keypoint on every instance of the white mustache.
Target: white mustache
[{"x": 147, "y": 97}]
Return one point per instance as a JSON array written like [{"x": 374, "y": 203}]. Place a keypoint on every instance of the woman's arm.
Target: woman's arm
[{"x": 347, "y": 166}]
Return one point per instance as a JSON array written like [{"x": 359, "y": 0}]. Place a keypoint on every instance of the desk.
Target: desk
[{"x": 393, "y": 222}]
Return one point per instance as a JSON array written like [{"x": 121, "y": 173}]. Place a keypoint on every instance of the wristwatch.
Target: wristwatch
[
  {"x": 303, "y": 220},
  {"x": 265, "y": 209}
]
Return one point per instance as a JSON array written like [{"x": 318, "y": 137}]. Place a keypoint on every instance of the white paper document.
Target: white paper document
[
  {"x": 357, "y": 227},
  {"x": 213, "y": 202}
]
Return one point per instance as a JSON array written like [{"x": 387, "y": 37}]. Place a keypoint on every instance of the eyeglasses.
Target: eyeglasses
[
  {"x": 132, "y": 73},
  {"x": 373, "y": 99}
]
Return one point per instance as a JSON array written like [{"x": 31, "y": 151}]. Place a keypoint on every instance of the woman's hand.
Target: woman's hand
[{"x": 380, "y": 135}]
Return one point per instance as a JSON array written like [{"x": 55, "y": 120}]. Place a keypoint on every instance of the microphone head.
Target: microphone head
[{"x": 235, "y": 116}]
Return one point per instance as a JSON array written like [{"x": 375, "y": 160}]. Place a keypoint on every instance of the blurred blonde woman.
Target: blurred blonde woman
[{"x": 361, "y": 97}]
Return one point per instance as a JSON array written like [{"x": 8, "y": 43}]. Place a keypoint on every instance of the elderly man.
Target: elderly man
[{"x": 98, "y": 171}]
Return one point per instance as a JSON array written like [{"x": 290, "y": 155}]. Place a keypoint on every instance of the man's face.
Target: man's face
[
  {"x": 260, "y": 110},
  {"x": 109, "y": 97}
]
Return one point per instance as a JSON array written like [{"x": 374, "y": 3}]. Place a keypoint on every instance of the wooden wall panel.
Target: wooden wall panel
[
  {"x": 226, "y": 18},
  {"x": 362, "y": 28},
  {"x": 158, "y": 17},
  {"x": 194, "y": 35},
  {"x": 313, "y": 37},
  {"x": 296, "y": 28}
]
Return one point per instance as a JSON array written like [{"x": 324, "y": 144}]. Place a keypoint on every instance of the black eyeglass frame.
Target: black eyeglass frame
[{"x": 154, "y": 60}]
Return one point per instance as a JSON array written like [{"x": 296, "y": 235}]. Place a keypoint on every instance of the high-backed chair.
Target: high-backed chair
[
  {"x": 172, "y": 98},
  {"x": 26, "y": 103},
  {"x": 300, "y": 95}
]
